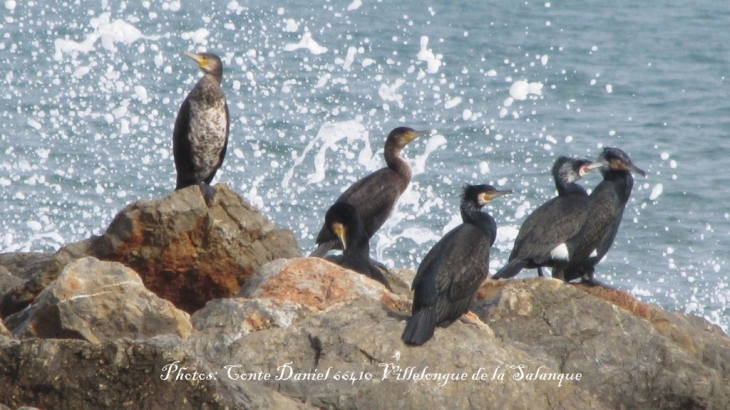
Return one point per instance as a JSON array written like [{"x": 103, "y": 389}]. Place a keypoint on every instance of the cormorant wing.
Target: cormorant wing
[
  {"x": 459, "y": 261},
  {"x": 549, "y": 225},
  {"x": 604, "y": 207},
  {"x": 181, "y": 148},
  {"x": 374, "y": 196}
]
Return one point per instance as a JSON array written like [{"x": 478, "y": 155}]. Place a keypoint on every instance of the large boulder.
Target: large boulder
[
  {"x": 185, "y": 251},
  {"x": 352, "y": 329},
  {"x": 632, "y": 355},
  {"x": 98, "y": 301},
  {"x": 159, "y": 373}
]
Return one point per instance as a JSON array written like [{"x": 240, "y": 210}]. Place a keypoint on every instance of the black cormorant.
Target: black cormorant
[
  {"x": 553, "y": 222},
  {"x": 450, "y": 274},
  {"x": 375, "y": 196},
  {"x": 343, "y": 221},
  {"x": 578, "y": 256},
  {"x": 200, "y": 138}
]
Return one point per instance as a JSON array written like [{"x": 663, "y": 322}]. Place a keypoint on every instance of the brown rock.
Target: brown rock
[
  {"x": 120, "y": 374},
  {"x": 318, "y": 284},
  {"x": 632, "y": 355},
  {"x": 97, "y": 301},
  {"x": 188, "y": 253}
]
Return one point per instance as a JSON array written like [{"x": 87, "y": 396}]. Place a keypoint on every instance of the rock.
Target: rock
[
  {"x": 188, "y": 253},
  {"x": 4, "y": 332},
  {"x": 97, "y": 301},
  {"x": 318, "y": 284},
  {"x": 633, "y": 355},
  {"x": 8, "y": 280},
  {"x": 120, "y": 374},
  {"x": 45, "y": 270},
  {"x": 224, "y": 321},
  {"x": 362, "y": 338},
  {"x": 24, "y": 265}
]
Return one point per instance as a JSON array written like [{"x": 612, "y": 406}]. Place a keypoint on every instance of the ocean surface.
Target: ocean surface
[{"x": 90, "y": 91}]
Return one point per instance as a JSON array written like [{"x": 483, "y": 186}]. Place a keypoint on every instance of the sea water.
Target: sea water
[{"x": 90, "y": 91}]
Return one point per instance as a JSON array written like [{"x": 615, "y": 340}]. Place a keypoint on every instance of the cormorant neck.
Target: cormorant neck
[
  {"x": 622, "y": 181},
  {"x": 471, "y": 214},
  {"x": 396, "y": 163},
  {"x": 565, "y": 188},
  {"x": 217, "y": 76}
]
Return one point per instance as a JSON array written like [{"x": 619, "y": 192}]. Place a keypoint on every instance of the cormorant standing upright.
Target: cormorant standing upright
[
  {"x": 375, "y": 196},
  {"x": 343, "y": 221},
  {"x": 553, "y": 222},
  {"x": 578, "y": 256},
  {"x": 200, "y": 138},
  {"x": 450, "y": 274}
]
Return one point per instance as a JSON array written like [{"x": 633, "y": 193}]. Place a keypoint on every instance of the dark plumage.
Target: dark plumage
[
  {"x": 200, "y": 138},
  {"x": 343, "y": 221},
  {"x": 453, "y": 269},
  {"x": 578, "y": 256},
  {"x": 375, "y": 196},
  {"x": 553, "y": 222}
]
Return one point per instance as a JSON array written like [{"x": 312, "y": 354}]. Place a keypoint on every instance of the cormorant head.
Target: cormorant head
[
  {"x": 209, "y": 63},
  {"x": 401, "y": 136},
  {"x": 479, "y": 195},
  {"x": 343, "y": 221},
  {"x": 616, "y": 160},
  {"x": 568, "y": 170}
]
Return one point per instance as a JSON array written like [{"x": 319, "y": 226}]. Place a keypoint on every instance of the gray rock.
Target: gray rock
[
  {"x": 4, "y": 332},
  {"x": 120, "y": 374},
  {"x": 24, "y": 265},
  {"x": 8, "y": 280},
  {"x": 223, "y": 321},
  {"x": 362, "y": 338},
  {"x": 40, "y": 271},
  {"x": 626, "y": 360},
  {"x": 97, "y": 301}
]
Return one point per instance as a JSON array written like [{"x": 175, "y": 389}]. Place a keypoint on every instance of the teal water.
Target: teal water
[{"x": 91, "y": 90}]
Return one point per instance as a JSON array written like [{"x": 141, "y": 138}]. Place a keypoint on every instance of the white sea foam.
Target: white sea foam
[
  {"x": 108, "y": 31},
  {"x": 426, "y": 54},
  {"x": 656, "y": 191},
  {"x": 307, "y": 43}
]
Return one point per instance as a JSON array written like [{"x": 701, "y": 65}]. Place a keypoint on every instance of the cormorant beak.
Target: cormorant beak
[
  {"x": 488, "y": 196},
  {"x": 341, "y": 233},
  {"x": 202, "y": 61},
  {"x": 415, "y": 134},
  {"x": 593, "y": 165},
  {"x": 633, "y": 168}
]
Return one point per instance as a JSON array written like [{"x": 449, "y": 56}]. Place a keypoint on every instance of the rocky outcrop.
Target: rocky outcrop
[
  {"x": 98, "y": 301},
  {"x": 184, "y": 251},
  {"x": 305, "y": 333}
]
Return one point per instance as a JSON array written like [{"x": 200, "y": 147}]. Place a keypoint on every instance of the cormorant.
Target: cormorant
[
  {"x": 553, "y": 222},
  {"x": 375, "y": 196},
  {"x": 578, "y": 256},
  {"x": 200, "y": 138},
  {"x": 343, "y": 221},
  {"x": 450, "y": 274}
]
